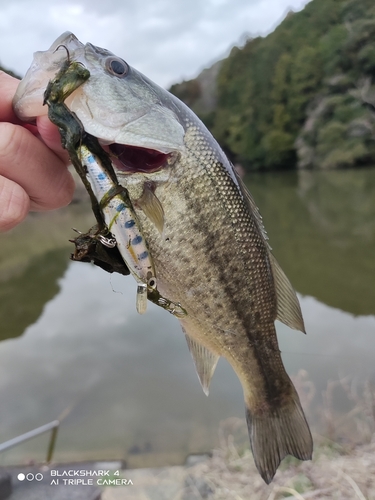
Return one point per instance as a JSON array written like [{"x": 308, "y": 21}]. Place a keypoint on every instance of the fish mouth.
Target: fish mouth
[{"x": 131, "y": 159}]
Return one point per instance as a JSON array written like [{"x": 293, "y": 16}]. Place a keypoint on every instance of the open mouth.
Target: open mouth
[{"x": 135, "y": 159}]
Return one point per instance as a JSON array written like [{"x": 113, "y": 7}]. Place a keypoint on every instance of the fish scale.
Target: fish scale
[
  {"x": 204, "y": 234},
  {"x": 220, "y": 263}
]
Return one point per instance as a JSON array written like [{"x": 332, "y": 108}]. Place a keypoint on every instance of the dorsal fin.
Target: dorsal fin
[
  {"x": 204, "y": 360},
  {"x": 248, "y": 198},
  {"x": 152, "y": 207},
  {"x": 288, "y": 308}
]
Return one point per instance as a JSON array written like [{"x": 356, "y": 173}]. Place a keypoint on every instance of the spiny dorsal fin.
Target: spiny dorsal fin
[
  {"x": 253, "y": 208},
  {"x": 204, "y": 360},
  {"x": 152, "y": 207},
  {"x": 288, "y": 308}
]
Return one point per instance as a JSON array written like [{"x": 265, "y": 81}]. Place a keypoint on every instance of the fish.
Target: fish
[{"x": 210, "y": 248}]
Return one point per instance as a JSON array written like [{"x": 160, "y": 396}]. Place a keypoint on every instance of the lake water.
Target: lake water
[{"x": 73, "y": 346}]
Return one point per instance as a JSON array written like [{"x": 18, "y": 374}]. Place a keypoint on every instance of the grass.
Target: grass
[{"x": 343, "y": 465}]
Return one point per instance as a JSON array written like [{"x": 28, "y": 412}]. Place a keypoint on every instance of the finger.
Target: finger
[
  {"x": 51, "y": 137},
  {"x": 8, "y": 86},
  {"x": 47, "y": 131},
  {"x": 39, "y": 171},
  {"x": 14, "y": 204}
]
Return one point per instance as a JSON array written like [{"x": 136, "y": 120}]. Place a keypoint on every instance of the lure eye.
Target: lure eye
[
  {"x": 117, "y": 67},
  {"x": 152, "y": 282}
]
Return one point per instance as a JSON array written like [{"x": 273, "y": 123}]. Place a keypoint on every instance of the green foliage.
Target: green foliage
[
  {"x": 366, "y": 57},
  {"x": 331, "y": 49},
  {"x": 302, "y": 96},
  {"x": 187, "y": 91},
  {"x": 278, "y": 148}
]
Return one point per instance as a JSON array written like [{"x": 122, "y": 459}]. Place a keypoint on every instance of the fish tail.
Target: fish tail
[{"x": 276, "y": 433}]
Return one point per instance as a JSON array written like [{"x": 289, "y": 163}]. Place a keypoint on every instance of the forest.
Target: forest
[{"x": 301, "y": 97}]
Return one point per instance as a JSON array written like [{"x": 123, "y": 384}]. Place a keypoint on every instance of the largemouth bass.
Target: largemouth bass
[{"x": 209, "y": 249}]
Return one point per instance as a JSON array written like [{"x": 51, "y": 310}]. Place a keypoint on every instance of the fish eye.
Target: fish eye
[{"x": 116, "y": 66}]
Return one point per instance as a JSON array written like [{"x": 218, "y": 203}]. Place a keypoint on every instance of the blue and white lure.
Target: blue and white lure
[
  {"x": 121, "y": 220},
  {"x": 110, "y": 201}
]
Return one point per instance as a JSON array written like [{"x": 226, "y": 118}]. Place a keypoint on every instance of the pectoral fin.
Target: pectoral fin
[
  {"x": 204, "y": 360},
  {"x": 288, "y": 308},
  {"x": 152, "y": 207}
]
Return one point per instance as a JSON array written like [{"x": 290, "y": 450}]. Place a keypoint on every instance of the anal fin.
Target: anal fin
[{"x": 204, "y": 360}]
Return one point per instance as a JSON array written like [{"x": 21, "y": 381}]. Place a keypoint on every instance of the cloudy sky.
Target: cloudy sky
[{"x": 168, "y": 40}]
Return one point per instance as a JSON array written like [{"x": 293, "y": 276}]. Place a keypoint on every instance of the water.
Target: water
[{"x": 73, "y": 346}]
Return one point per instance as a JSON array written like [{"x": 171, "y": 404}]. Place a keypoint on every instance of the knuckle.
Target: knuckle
[
  {"x": 11, "y": 138},
  {"x": 65, "y": 194},
  {"x": 14, "y": 204},
  {"x": 58, "y": 194}
]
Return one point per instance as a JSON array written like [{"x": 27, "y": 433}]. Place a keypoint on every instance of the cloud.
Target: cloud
[{"x": 168, "y": 40}]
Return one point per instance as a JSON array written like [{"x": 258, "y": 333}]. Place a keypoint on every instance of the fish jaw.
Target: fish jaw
[{"x": 28, "y": 100}]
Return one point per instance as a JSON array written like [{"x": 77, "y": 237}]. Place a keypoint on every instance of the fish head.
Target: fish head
[{"x": 130, "y": 115}]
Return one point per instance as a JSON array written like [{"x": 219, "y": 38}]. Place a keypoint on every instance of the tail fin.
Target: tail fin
[{"x": 283, "y": 431}]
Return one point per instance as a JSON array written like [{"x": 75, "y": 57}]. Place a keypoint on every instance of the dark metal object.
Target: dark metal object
[{"x": 89, "y": 248}]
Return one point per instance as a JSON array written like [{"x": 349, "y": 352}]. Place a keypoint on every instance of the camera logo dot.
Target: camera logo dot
[{"x": 30, "y": 477}]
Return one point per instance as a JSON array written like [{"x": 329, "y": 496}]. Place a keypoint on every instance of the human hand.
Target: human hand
[{"x": 33, "y": 165}]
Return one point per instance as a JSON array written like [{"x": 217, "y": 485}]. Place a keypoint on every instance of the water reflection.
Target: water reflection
[
  {"x": 22, "y": 296},
  {"x": 32, "y": 258},
  {"x": 126, "y": 383},
  {"x": 322, "y": 230}
]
